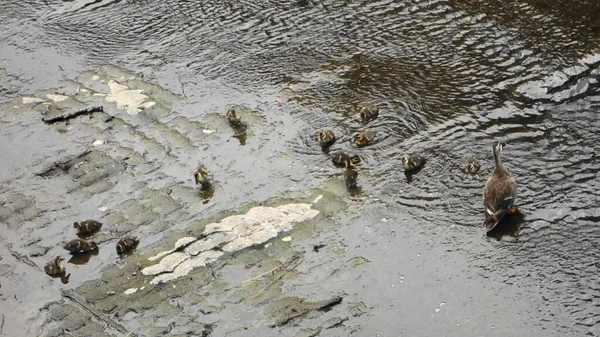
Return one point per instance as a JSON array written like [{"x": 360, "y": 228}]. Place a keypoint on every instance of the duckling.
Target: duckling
[
  {"x": 126, "y": 243},
  {"x": 413, "y": 162},
  {"x": 368, "y": 113},
  {"x": 499, "y": 192},
  {"x": 364, "y": 138},
  {"x": 342, "y": 159},
  {"x": 471, "y": 164},
  {"x": 87, "y": 226},
  {"x": 201, "y": 177},
  {"x": 55, "y": 267},
  {"x": 80, "y": 246},
  {"x": 350, "y": 178},
  {"x": 326, "y": 138},
  {"x": 234, "y": 117}
]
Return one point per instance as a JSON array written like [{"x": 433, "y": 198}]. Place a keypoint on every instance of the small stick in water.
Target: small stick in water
[{"x": 69, "y": 115}]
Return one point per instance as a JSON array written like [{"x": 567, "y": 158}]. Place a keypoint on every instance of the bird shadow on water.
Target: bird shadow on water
[
  {"x": 205, "y": 194},
  {"x": 510, "y": 225},
  {"x": 83, "y": 258},
  {"x": 64, "y": 277}
]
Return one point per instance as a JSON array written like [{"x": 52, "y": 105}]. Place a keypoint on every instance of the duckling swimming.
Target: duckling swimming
[
  {"x": 126, "y": 243},
  {"x": 368, "y": 113},
  {"x": 326, "y": 138},
  {"x": 471, "y": 164},
  {"x": 55, "y": 267},
  {"x": 80, "y": 246},
  {"x": 413, "y": 163},
  {"x": 364, "y": 138},
  {"x": 201, "y": 177},
  {"x": 350, "y": 178},
  {"x": 234, "y": 117},
  {"x": 342, "y": 159},
  {"x": 499, "y": 192},
  {"x": 87, "y": 226}
]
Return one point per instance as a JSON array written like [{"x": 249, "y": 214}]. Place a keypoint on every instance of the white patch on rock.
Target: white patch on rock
[
  {"x": 126, "y": 99},
  {"x": 57, "y": 98},
  {"x": 29, "y": 100},
  {"x": 167, "y": 264},
  {"x": 231, "y": 234},
  {"x": 130, "y": 291},
  {"x": 178, "y": 244}
]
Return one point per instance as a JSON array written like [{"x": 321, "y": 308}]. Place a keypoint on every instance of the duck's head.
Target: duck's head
[{"x": 497, "y": 146}]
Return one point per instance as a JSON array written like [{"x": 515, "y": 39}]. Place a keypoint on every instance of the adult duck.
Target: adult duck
[{"x": 499, "y": 192}]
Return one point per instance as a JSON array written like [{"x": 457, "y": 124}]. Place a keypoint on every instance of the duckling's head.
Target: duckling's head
[
  {"x": 354, "y": 159},
  {"x": 472, "y": 167},
  {"x": 201, "y": 175},
  {"x": 360, "y": 139},
  {"x": 76, "y": 225},
  {"x": 58, "y": 262},
  {"x": 326, "y": 137},
  {"x": 233, "y": 116}
]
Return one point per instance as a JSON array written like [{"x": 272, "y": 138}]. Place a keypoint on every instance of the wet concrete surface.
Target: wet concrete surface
[{"x": 403, "y": 256}]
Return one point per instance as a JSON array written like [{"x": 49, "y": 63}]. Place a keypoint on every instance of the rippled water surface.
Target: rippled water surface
[{"x": 449, "y": 77}]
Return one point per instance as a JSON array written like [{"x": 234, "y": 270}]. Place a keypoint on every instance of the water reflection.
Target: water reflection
[
  {"x": 83, "y": 258},
  {"x": 510, "y": 225}
]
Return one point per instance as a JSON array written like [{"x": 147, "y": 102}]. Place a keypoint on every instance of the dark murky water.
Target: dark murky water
[{"x": 449, "y": 76}]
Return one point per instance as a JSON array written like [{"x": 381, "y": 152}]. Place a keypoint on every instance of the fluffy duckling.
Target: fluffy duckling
[
  {"x": 201, "y": 177},
  {"x": 368, "y": 113},
  {"x": 234, "y": 117},
  {"x": 499, "y": 192},
  {"x": 87, "y": 226},
  {"x": 350, "y": 178},
  {"x": 413, "y": 163},
  {"x": 126, "y": 243},
  {"x": 80, "y": 246},
  {"x": 471, "y": 164},
  {"x": 55, "y": 267},
  {"x": 326, "y": 138},
  {"x": 364, "y": 138},
  {"x": 342, "y": 159}
]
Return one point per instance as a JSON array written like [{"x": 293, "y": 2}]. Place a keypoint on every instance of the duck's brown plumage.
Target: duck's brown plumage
[{"x": 499, "y": 192}]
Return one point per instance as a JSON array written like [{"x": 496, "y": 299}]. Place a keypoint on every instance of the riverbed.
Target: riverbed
[{"x": 405, "y": 255}]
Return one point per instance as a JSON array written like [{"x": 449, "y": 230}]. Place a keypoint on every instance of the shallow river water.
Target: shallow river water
[{"x": 407, "y": 255}]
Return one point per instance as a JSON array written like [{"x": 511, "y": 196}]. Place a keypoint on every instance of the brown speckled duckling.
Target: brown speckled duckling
[
  {"x": 471, "y": 164},
  {"x": 364, "y": 138},
  {"x": 368, "y": 113},
  {"x": 55, "y": 267},
  {"x": 201, "y": 177},
  {"x": 80, "y": 246},
  {"x": 342, "y": 159},
  {"x": 326, "y": 138},
  {"x": 87, "y": 226},
  {"x": 234, "y": 117},
  {"x": 413, "y": 162},
  {"x": 126, "y": 243}
]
